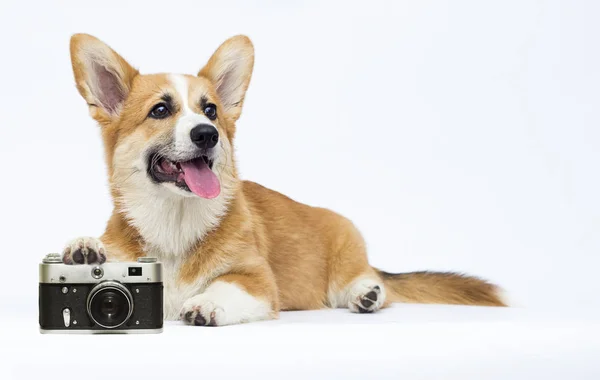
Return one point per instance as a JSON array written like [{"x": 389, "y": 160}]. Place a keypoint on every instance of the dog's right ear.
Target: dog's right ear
[{"x": 103, "y": 78}]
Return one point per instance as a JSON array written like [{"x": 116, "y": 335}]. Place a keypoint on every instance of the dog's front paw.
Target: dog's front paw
[
  {"x": 224, "y": 303},
  {"x": 201, "y": 311},
  {"x": 84, "y": 250}
]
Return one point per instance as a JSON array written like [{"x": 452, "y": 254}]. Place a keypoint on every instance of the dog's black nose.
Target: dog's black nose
[{"x": 204, "y": 135}]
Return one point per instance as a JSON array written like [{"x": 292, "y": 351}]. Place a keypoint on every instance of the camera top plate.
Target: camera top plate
[{"x": 146, "y": 270}]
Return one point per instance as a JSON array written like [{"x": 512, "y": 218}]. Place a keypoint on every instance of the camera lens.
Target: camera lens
[{"x": 110, "y": 304}]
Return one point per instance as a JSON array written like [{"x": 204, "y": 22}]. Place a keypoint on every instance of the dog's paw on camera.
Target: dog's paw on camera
[{"x": 84, "y": 250}]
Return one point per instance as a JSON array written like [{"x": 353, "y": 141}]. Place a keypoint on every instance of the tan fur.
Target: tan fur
[{"x": 292, "y": 255}]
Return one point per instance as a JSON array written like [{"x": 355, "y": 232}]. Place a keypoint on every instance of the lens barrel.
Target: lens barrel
[{"x": 109, "y": 304}]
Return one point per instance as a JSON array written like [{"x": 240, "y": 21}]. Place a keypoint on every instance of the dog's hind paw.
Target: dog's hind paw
[
  {"x": 84, "y": 250},
  {"x": 366, "y": 297}
]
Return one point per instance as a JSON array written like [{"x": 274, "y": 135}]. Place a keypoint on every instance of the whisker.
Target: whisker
[
  {"x": 136, "y": 170},
  {"x": 226, "y": 163},
  {"x": 121, "y": 181}
]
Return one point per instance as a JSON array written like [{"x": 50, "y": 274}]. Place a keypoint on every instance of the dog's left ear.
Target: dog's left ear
[{"x": 230, "y": 70}]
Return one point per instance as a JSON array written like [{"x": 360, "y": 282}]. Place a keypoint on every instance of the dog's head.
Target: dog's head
[{"x": 167, "y": 133}]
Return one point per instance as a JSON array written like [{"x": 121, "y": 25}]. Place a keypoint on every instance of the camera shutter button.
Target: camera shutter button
[
  {"x": 52, "y": 258},
  {"x": 146, "y": 259}
]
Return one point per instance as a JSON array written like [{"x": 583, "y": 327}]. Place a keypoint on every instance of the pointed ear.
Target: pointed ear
[
  {"x": 103, "y": 78},
  {"x": 230, "y": 70}
]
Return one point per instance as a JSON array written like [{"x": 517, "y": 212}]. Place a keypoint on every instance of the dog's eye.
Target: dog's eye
[
  {"x": 210, "y": 110},
  {"x": 159, "y": 111}
]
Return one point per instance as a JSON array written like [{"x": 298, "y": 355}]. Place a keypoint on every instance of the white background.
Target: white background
[{"x": 457, "y": 135}]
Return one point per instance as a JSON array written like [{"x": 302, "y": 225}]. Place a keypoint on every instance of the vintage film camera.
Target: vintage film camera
[{"x": 120, "y": 297}]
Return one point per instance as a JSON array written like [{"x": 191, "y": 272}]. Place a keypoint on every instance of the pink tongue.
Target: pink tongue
[{"x": 200, "y": 179}]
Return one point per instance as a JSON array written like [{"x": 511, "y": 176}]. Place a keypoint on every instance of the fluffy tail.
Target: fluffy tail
[{"x": 441, "y": 288}]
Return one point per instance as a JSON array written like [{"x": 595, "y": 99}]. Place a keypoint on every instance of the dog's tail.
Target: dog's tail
[{"x": 441, "y": 288}]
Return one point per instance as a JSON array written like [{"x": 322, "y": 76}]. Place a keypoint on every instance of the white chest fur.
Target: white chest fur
[{"x": 173, "y": 224}]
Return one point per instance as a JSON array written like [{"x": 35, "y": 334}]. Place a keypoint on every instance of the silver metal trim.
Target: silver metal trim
[
  {"x": 109, "y": 285},
  {"x": 115, "y": 271},
  {"x": 135, "y": 331}
]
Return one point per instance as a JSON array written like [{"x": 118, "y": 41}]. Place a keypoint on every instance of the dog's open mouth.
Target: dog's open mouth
[{"x": 194, "y": 175}]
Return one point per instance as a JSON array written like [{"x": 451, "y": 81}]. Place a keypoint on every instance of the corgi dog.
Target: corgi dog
[{"x": 232, "y": 250}]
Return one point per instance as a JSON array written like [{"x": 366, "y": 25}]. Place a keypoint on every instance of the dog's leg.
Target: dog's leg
[
  {"x": 84, "y": 250},
  {"x": 352, "y": 281},
  {"x": 232, "y": 299}
]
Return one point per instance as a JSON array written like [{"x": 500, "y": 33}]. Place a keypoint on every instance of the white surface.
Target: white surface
[
  {"x": 458, "y": 135},
  {"x": 404, "y": 342}
]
